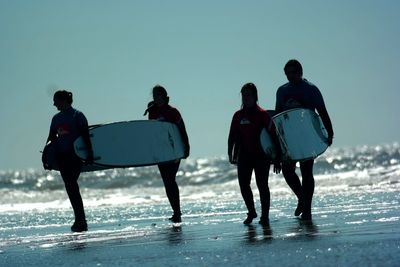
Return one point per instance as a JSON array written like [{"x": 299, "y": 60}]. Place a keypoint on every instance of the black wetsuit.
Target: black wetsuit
[
  {"x": 244, "y": 137},
  {"x": 169, "y": 170},
  {"x": 302, "y": 95},
  {"x": 67, "y": 126}
]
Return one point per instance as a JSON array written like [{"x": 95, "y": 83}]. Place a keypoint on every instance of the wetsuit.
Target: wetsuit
[
  {"x": 302, "y": 95},
  {"x": 168, "y": 170},
  {"x": 244, "y": 145},
  {"x": 66, "y": 127}
]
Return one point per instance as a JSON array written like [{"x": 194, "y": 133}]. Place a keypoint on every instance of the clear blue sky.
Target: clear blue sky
[{"x": 111, "y": 53}]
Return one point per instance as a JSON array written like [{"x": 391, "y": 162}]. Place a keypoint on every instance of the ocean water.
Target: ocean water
[{"x": 356, "y": 217}]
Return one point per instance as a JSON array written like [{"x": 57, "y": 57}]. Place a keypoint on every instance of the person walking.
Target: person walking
[
  {"x": 300, "y": 93},
  {"x": 244, "y": 150},
  {"x": 159, "y": 109},
  {"x": 66, "y": 126}
]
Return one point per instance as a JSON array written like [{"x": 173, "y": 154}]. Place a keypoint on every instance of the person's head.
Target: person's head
[
  {"x": 249, "y": 95},
  {"x": 62, "y": 99},
  {"x": 160, "y": 95},
  {"x": 293, "y": 71}
]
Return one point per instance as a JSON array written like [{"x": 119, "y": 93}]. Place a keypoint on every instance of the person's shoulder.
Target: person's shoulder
[
  {"x": 264, "y": 113},
  {"x": 77, "y": 112},
  {"x": 283, "y": 87},
  {"x": 173, "y": 114},
  {"x": 56, "y": 116},
  {"x": 261, "y": 111},
  {"x": 238, "y": 114},
  {"x": 310, "y": 84},
  {"x": 173, "y": 109}
]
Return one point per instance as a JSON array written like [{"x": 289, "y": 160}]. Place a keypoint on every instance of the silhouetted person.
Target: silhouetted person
[
  {"x": 300, "y": 93},
  {"x": 66, "y": 127},
  {"x": 244, "y": 149},
  {"x": 159, "y": 109}
]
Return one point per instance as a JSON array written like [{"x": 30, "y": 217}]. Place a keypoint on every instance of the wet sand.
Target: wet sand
[{"x": 347, "y": 230}]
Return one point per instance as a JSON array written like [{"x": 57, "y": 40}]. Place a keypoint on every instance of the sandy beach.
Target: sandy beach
[
  {"x": 356, "y": 217},
  {"x": 347, "y": 230}
]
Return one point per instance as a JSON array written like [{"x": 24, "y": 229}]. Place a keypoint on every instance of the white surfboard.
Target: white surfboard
[
  {"x": 301, "y": 133},
  {"x": 267, "y": 145},
  {"x": 133, "y": 143}
]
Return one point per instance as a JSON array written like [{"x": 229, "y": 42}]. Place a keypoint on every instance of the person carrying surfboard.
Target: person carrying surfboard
[
  {"x": 159, "y": 109},
  {"x": 300, "y": 93},
  {"x": 244, "y": 149},
  {"x": 66, "y": 126}
]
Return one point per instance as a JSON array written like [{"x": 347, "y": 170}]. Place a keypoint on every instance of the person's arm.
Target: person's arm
[
  {"x": 52, "y": 136},
  {"x": 278, "y": 102},
  {"x": 275, "y": 139},
  {"x": 52, "y": 133},
  {"x": 84, "y": 132},
  {"x": 174, "y": 116},
  {"x": 185, "y": 138},
  {"x": 86, "y": 140},
  {"x": 323, "y": 113},
  {"x": 232, "y": 142}
]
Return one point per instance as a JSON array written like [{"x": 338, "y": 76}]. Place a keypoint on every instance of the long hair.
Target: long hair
[{"x": 252, "y": 88}]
